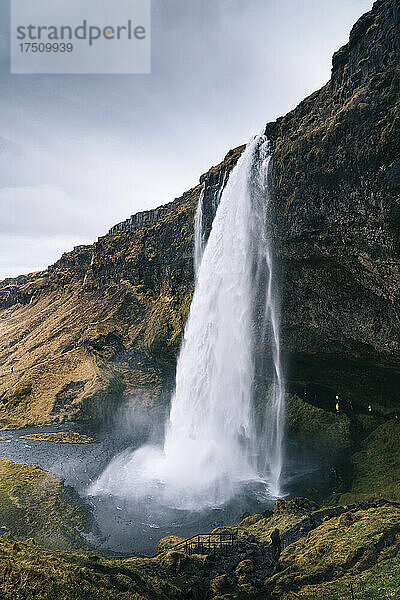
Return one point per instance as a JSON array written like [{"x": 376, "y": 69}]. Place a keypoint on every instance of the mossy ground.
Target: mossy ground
[
  {"x": 361, "y": 547},
  {"x": 364, "y": 447},
  {"x": 262, "y": 526},
  {"x": 357, "y": 550},
  {"x": 376, "y": 467},
  {"x": 60, "y": 437},
  {"x": 35, "y": 504},
  {"x": 321, "y": 430},
  {"x": 169, "y": 542},
  {"x": 381, "y": 582},
  {"x": 31, "y": 573}
]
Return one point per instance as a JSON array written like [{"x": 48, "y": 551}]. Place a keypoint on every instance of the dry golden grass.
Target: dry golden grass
[
  {"x": 59, "y": 437},
  {"x": 31, "y": 573}
]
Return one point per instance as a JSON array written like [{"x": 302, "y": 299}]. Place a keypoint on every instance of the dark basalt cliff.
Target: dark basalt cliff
[
  {"x": 102, "y": 326},
  {"x": 336, "y": 214}
]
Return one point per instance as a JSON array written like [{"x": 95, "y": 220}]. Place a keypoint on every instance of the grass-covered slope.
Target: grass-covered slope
[
  {"x": 361, "y": 547},
  {"x": 362, "y": 448},
  {"x": 318, "y": 429},
  {"x": 35, "y": 504},
  {"x": 376, "y": 466},
  {"x": 31, "y": 573},
  {"x": 344, "y": 549}
]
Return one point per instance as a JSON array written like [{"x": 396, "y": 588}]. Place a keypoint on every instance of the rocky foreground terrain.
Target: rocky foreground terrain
[
  {"x": 101, "y": 328},
  {"x": 332, "y": 553}
]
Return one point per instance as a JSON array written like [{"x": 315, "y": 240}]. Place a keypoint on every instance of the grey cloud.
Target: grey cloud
[
  {"x": 39, "y": 211},
  {"x": 221, "y": 69}
]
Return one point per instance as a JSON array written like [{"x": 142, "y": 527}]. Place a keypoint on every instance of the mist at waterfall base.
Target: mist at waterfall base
[{"x": 215, "y": 455}]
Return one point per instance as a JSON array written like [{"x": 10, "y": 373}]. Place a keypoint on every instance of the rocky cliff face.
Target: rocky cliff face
[
  {"x": 103, "y": 324},
  {"x": 336, "y": 216}
]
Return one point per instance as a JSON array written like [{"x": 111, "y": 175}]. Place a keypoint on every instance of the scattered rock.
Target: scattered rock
[
  {"x": 297, "y": 506},
  {"x": 172, "y": 561},
  {"x": 220, "y": 585},
  {"x": 245, "y": 567}
]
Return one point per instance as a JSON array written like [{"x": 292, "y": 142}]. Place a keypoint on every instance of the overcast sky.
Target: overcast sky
[{"x": 79, "y": 153}]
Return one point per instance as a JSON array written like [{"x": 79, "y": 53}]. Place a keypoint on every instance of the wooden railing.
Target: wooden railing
[{"x": 207, "y": 543}]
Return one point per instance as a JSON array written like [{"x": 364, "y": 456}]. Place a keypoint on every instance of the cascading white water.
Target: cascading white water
[
  {"x": 211, "y": 446},
  {"x": 199, "y": 232},
  {"x": 199, "y": 240},
  {"x": 87, "y": 272},
  {"x": 270, "y": 444}
]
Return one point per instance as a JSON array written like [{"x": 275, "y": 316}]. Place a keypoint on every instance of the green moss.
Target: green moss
[
  {"x": 325, "y": 431},
  {"x": 35, "y": 504},
  {"x": 60, "y": 437},
  {"x": 220, "y": 585},
  {"x": 166, "y": 323},
  {"x": 380, "y": 581},
  {"x": 377, "y": 466},
  {"x": 359, "y": 547},
  {"x": 169, "y": 542},
  {"x": 172, "y": 561},
  {"x": 31, "y": 573},
  {"x": 336, "y": 549},
  {"x": 261, "y": 526}
]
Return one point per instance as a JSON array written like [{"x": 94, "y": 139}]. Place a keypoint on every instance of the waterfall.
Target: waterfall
[
  {"x": 198, "y": 232},
  {"x": 212, "y": 445},
  {"x": 217, "y": 197},
  {"x": 87, "y": 272},
  {"x": 270, "y": 445}
]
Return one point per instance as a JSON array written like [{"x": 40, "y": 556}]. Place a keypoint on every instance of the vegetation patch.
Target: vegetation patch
[
  {"x": 28, "y": 572},
  {"x": 356, "y": 551},
  {"x": 169, "y": 542},
  {"x": 35, "y": 504},
  {"x": 341, "y": 550},
  {"x": 376, "y": 467},
  {"x": 286, "y": 514},
  {"x": 59, "y": 437},
  {"x": 318, "y": 428}
]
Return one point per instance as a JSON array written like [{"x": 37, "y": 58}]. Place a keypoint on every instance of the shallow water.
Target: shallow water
[
  {"x": 123, "y": 526},
  {"x": 126, "y": 526}
]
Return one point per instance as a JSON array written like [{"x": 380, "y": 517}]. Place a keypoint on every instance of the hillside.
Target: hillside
[
  {"x": 103, "y": 323},
  {"x": 345, "y": 551}
]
